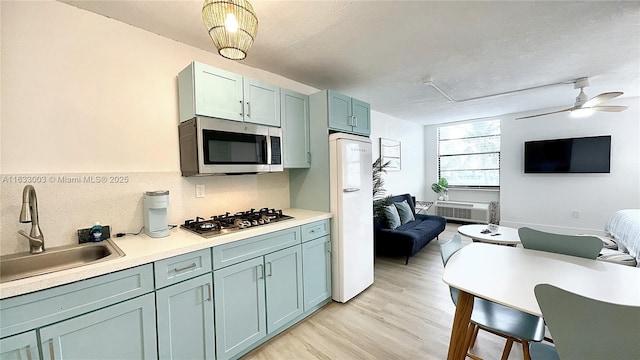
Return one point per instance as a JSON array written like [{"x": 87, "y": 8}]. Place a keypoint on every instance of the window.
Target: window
[{"x": 469, "y": 153}]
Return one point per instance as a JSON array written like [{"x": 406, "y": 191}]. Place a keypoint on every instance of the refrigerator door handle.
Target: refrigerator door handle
[{"x": 350, "y": 190}]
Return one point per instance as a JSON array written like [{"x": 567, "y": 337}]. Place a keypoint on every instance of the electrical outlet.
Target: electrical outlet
[
  {"x": 200, "y": 191},
  {"x": 575, "y": 214}
]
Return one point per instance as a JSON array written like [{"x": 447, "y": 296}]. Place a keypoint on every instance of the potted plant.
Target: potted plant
[
  {"x": 379, "y": 200},
  {"x": 441, "y": 188}
]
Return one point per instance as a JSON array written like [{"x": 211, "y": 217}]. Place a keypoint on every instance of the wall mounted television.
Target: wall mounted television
[{"x": 572, "y": 155}]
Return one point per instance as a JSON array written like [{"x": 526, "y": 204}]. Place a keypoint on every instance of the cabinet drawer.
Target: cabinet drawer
[
  {"x": 27, "y": 312},
  {"x": 315, "y": 230},
  {"x": 182, "y": 267},
  {"x": 235, "y": 252}
]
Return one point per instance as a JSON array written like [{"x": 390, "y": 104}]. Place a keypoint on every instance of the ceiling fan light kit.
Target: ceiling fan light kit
[
  {"x": 581, "y": 113},
  {"x": 232, "y": 25}
]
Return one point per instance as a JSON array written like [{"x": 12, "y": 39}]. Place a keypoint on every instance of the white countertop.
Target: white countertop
[{"x": 142, "y": 249}]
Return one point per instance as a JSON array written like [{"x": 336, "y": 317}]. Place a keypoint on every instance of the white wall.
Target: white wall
[
  {"x": 410, "y": 179},
  {"x": 86, "y": 95},
  {"x": 93, "y": 93},
  {"x": 547, "y": 201}
]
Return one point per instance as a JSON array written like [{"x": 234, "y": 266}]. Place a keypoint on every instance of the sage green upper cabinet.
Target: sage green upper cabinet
[
  {"x": 207, "y": 91},
  {"x": 295, "y": 129},
  {"x": 361, "y": 117},
  {"x": 261, "y": 103},
  {"x": 348, "y": 115},
  {"x": 339, "y": 112}
]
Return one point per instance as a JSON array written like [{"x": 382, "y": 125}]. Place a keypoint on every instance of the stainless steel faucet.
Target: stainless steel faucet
[{"x": 29, "y": 214}]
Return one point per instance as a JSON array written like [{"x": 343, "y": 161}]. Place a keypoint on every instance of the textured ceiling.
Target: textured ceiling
[{"x": 382, "y": 52}]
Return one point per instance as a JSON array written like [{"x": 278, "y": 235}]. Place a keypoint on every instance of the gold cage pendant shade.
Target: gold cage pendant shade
[{"x": 232, "y": 25}]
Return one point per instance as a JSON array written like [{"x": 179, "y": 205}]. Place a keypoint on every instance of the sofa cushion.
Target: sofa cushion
[
  {"x": 404, "y": 210},
  {"x": 393, "y": 218}
]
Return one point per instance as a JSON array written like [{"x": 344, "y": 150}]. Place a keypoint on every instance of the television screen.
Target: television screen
[{"x": 574, "y": 155}]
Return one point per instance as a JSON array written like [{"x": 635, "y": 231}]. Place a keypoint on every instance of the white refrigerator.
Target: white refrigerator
[{"x": 351, "y": 190}]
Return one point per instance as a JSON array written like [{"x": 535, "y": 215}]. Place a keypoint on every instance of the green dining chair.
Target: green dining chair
[
  {"x": 582, "y": 246},
  {"x": 512, "y": 324},
  {"x": 585, "y": 328}
]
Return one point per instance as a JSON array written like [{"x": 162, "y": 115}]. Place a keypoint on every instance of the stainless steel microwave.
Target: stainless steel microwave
[{"x": 212, "y": 146}]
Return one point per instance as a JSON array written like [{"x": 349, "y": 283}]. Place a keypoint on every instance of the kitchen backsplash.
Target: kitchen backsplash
[{"x": 67, "y": 202}]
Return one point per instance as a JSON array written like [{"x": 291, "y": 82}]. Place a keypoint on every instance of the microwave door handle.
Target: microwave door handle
[{"x": 268, "y": 150}]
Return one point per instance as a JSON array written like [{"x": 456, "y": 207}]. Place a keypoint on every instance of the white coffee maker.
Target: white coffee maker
[{"x": 155, "y": 213}]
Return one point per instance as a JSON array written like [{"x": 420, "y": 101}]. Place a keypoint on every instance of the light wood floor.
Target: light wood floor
[{"x": 406, "y": 314}]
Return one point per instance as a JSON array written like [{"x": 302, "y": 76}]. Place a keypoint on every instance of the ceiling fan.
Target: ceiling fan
[{"x": 583, "y": 106}]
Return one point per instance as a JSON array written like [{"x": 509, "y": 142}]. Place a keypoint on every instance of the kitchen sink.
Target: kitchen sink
[{"x": 23, "y": 265}]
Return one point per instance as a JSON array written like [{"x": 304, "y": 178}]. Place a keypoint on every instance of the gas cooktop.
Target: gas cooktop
[{"x": 225, "y": 223}]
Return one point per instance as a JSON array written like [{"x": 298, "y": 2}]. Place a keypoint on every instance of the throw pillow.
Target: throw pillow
[
  {"x": 393, "y": 219},
  {"x": 404, "y": 210}
]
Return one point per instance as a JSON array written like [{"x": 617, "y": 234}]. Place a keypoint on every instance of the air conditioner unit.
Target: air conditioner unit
[{"x": 463, "y": 211}]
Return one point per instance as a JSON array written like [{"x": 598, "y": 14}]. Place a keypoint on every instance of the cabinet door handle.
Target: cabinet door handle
[
  {"x": 52, "y": 350},
  {"x": 241, "y": 108},
  {"x": 193, "y": 265},
  {"x": 248, "y": 109},
  {"x": 260, "y": 271},
  {"x": 209, "y": 292},
  {"x": 309, "y": 157},
  {"x": 270, "y": 269},
  {"x": 28, "y": 352},
  {"x": 355, "y": 121}
]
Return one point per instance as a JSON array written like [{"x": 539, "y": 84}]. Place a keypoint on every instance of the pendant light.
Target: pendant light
[{"x": 232, "y": 25}]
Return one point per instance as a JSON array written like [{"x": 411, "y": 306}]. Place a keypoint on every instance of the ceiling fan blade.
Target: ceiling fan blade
[
  {"x": 549, "y": 113},
  {"x": 609, "y": 108},
  {"x": 599, "y": 99}
]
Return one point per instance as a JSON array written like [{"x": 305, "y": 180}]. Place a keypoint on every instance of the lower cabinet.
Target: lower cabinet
[
  {"x": 175, "y": 308},
  {"x": 20, "y": 347},
  {"x": 122, "y": 331},
  {"x": 185, "y": 320},
  {"x": 245, "y": 291},
  {"x": 283, "y": 277},
  {"x": 316, "y": 260},
  {"x": 240, "y": 307}
]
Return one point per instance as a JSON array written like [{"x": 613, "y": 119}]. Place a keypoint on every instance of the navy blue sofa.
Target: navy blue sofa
[{"x": 408, "y": 239}]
